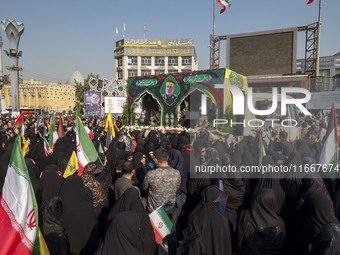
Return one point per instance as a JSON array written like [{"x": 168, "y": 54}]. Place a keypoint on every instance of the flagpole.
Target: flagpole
[
  {"x": 318, "y": 42},
  {"x": 214, "y": 24}
]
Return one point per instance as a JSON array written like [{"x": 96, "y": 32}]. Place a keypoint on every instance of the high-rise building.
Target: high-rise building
[{"x": 141, "y": 57}]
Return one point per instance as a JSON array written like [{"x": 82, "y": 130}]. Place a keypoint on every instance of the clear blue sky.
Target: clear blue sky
[{"x": 62, "y": 35}]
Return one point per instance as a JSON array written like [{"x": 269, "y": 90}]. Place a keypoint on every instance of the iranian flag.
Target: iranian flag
[
  {"x": 262, "y": 152},
  {"x": 19, "y": 123},
  {"x": 18, "y": 210},
  {"x": 89, "y": 132},
  {"x": 53, "y": 135},
  {"x": 310, "y": 1},
  {"x": 329, "y": 149},
  {"x": 47, "y": 148},
  {"x": 60, "y": 127},
  {"x": 162, "y": 225},
  {"x": 20, "y": 120},
  {"x": 86, "y": 152},
  {"x": 224, "y": 4}
]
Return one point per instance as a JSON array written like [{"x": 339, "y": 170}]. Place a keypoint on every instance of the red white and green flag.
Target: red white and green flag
[
  {"x": 18, "y": 209},
  {"x": 86, "y": 152},
  {"x": 19, "y": 123},
  {"x": 224, "y": 4},
  {"x": 161, "y": 223},
  {"x": 60, "y": 126},
  {"x": 53, "y": 135},
  {"x": 329, "y": 150},
  {"x": 89, "y": 132},
  {"x": 262, "y": 152},
  {"x": 47, "y": 148},
  {"x": 310, "y": 1}
]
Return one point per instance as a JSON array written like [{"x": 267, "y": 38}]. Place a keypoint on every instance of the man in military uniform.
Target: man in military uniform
[
  {"x": 169, "y": 95},
  {"x": 313, "y": 142},
  {"x": 93, "y": 108}
]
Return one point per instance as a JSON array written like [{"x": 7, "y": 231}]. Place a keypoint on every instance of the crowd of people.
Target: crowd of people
[{"x": 105, "y": 210}]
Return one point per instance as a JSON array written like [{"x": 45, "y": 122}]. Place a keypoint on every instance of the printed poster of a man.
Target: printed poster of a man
[
  {"x": 170, "y": 91},
  {"x": 92, "y": 101}
]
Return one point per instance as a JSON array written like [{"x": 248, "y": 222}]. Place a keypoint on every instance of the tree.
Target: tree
[{"x": 125, "y": 117}]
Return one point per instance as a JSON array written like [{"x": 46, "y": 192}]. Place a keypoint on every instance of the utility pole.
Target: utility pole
[
  {"x": 14, "y": 30},
  {"x": 214, "y": 20}
]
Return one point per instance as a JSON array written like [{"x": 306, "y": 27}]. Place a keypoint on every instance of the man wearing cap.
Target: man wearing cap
[
  {"x": 169, "y": 95},
  {"x": 169, "y": 89}
]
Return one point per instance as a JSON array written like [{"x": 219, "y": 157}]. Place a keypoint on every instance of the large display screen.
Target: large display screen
[{"x": 262, "y": 54}]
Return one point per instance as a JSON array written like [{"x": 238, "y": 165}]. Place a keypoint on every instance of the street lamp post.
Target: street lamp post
[{"x": 13, "y": 31}]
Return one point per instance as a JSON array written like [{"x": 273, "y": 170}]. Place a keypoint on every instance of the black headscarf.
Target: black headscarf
[
  {"x": 34, "y": 174},
  {"x": 5, "y": 158},
  {"x": 130, "y": 201},
  {"x": 261, "y": 230},
  {"x": 78, "y": 216},
  {"x": 327, "y": 241},
  {"x": 291, "y": 184},
  {"x": 313, "y": 181},
  {"x": 272, "y": 182},
  {"x": 53, "y": 230},
  {"x": 50, "y": 182},
  {"x": 123, "y": 235},
  {"x": 208, "y": 228},
  {"x": 212, "y": 157},
  {"x": 313, "y": 213},
  {"x": 336, "y": 199},
  {"x": 235, "y": 189},
  {"x": 39, "y": 155},
  {"x": 177, "y": 162},
  {"x": 140, "y": 170},
  {"x": 137, "y": 157}
]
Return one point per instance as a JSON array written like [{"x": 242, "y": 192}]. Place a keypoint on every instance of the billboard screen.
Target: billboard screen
[
  {"x": 262, "y": 53},
  {"x": 115, "y": 103},
  {"x": 92, "y": 103}
]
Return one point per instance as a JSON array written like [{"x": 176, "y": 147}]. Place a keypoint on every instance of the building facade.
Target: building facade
[
  {"x": 329, "y": 66},
  {"x": 141, "y": 57},
  {"x": 47, "y": 97},
  {"x": 329, "y": 72}
]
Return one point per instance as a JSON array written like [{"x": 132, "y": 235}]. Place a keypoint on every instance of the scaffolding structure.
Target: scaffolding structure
[{"x": 311, "y": 48}]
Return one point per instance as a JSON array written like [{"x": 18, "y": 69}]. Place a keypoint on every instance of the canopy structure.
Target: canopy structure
[{"x": 169, "y": 90}]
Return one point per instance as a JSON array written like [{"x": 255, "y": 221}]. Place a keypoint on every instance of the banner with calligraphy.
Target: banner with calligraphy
[{"x": 169, "y": 90}]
